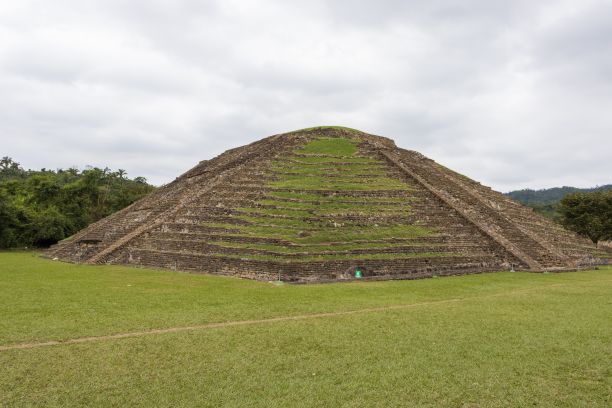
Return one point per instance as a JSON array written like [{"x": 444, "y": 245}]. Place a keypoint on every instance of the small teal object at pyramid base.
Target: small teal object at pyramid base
[{"x": 358, "y": 273}]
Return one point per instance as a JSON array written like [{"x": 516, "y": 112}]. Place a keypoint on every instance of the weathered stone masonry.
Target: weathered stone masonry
[{"x": 194, "y": 223}]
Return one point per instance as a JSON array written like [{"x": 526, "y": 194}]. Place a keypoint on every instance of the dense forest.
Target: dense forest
[
  {"x": 546, "y": 201},
  {"x": 41, "y": 207}
]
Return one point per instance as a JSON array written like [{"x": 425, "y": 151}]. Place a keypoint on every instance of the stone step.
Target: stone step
[
  {"x": 202, "y": 247},
  {"x": 304, "y": 271}
]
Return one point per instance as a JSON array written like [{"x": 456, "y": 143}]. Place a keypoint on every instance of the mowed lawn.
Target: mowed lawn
[{"x": 490, "y": 340}]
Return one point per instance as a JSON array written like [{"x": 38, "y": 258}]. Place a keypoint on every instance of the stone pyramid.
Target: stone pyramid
[{"x": 327, "y": 203}]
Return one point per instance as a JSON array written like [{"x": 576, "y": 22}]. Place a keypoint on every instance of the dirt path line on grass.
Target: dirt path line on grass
[{"x": 88, "y": 339}]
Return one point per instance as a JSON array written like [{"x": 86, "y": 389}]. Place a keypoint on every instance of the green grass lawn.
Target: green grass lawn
[{"x": 489, "y": 340}]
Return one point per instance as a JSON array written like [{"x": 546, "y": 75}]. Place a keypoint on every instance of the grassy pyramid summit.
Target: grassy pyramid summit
[{"x": 327, "y": 203}]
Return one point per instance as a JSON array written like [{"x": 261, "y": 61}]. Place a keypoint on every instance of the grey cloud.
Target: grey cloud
[{"x": 513, "y": 94}]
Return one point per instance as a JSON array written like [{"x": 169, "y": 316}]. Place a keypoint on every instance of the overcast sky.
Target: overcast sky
[{"x": 513, "y": 94}]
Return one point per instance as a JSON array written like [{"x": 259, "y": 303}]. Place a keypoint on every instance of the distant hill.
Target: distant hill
[
  {"x": 550, "y": 195},
  {"x": 545, "y": 201}
]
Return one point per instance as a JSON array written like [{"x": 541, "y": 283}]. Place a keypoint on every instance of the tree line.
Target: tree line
[
  {"x": 40, "y": 207},
  {"x": 546, "y": 201}
]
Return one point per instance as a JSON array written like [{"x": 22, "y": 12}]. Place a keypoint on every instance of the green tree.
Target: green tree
[
  {"x": 8, "y": 221},
  {"x": 10, "y": 169},
  {"x": 47, "y": 226},
  {"x": 39, "y": 208},
  {"x": 588, "y": 214}
]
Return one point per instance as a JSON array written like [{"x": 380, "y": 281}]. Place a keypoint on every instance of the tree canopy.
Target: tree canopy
[
  {"x": 39, "y": 208},
  {"x": 588, "y": 214},
  {"x": 546, "y": 201}
]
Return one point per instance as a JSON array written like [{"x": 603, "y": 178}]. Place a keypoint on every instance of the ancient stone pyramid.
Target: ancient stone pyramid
[{"x": 322, "y": 204}]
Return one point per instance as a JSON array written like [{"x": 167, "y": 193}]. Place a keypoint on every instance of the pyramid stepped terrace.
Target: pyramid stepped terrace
[{"x": 324, "y": 204}]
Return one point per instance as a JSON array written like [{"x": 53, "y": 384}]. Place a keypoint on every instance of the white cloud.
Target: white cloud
[{"x": 513, "y": 94}]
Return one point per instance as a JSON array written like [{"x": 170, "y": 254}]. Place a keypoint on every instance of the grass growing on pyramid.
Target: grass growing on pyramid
[
  {"x": 319, "y": 204},
  {"x": 307, "y": 206}
]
